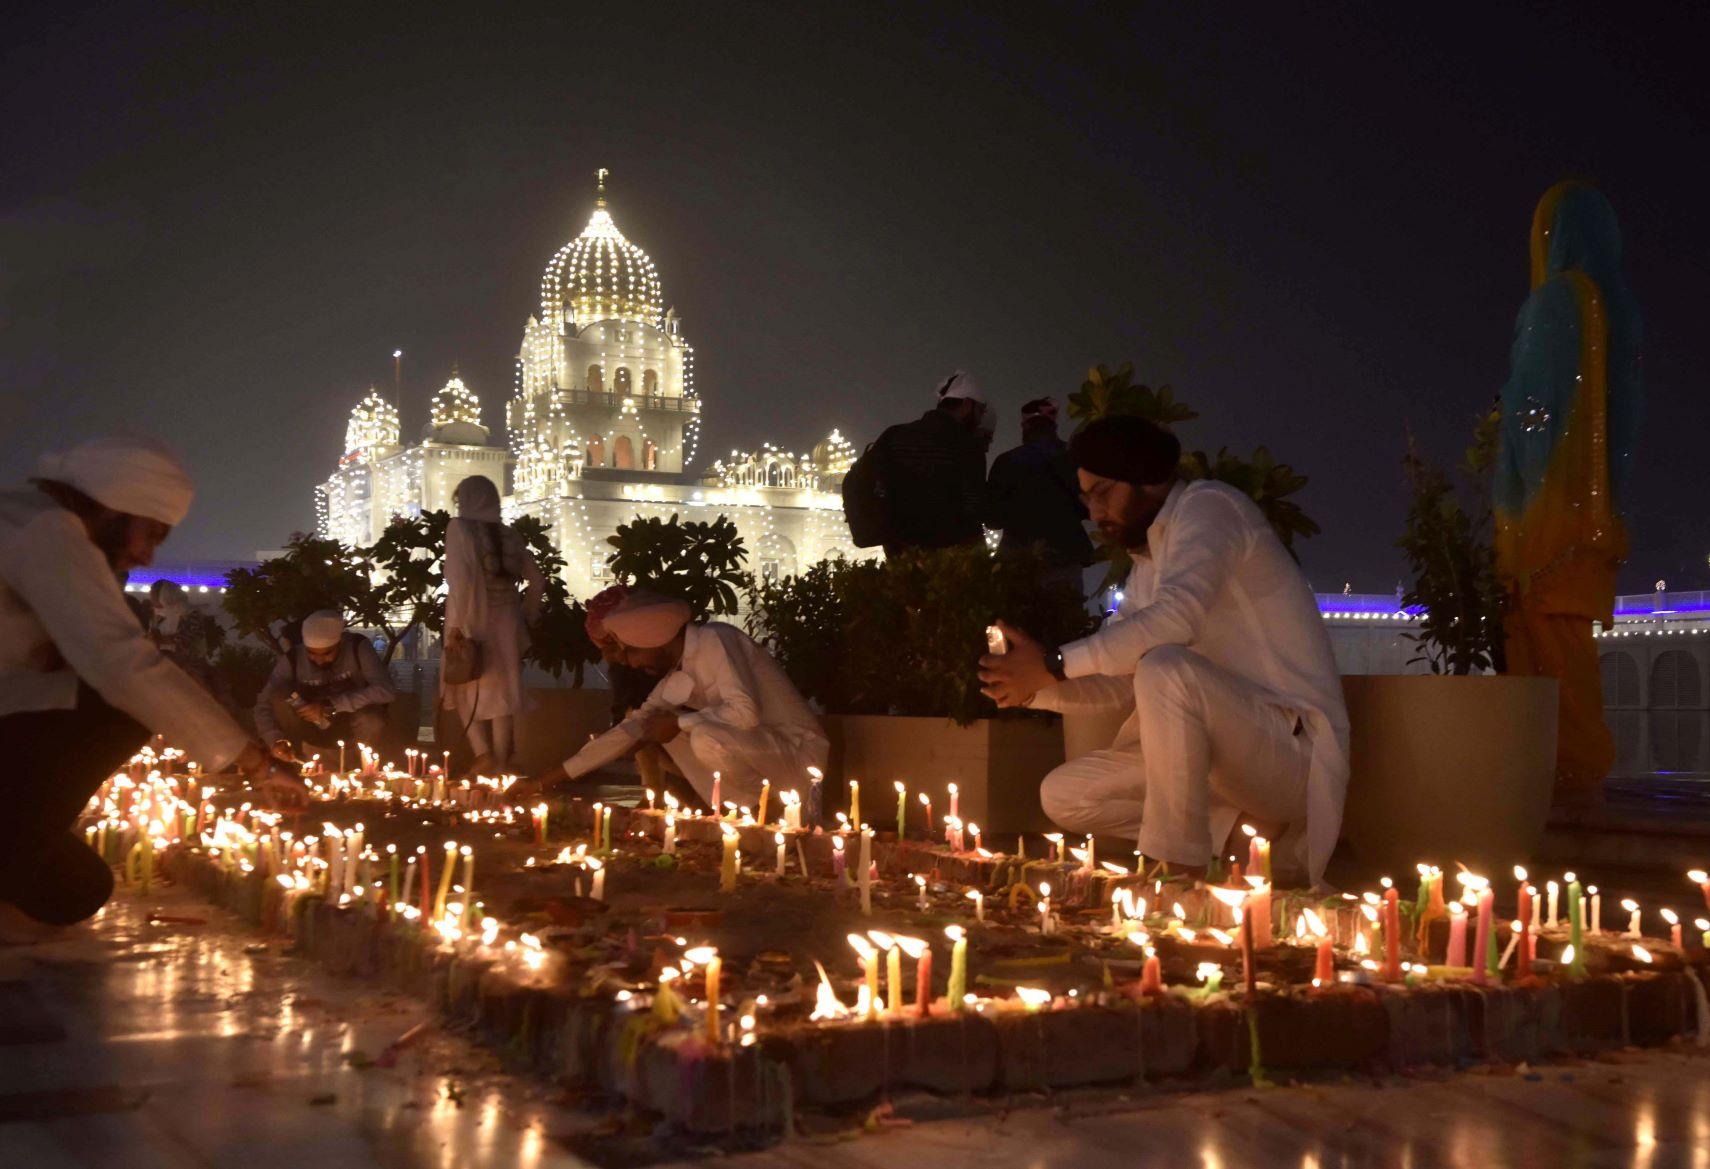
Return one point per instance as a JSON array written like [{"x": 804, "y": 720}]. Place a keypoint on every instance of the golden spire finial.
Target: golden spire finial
[{"x": 600, "y": 175}]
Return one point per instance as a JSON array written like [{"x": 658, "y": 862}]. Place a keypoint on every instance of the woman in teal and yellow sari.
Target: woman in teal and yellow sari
[{"x": 1570, "y": 414}]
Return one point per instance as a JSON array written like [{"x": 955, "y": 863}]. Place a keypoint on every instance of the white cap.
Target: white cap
[
  {"x": 137, "y": 476},
  {"x": 961, "y": 384},
  {"x": 322, "y": 630}
]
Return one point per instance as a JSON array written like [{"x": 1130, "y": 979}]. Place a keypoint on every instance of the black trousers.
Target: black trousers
[{"x": 54, "y": 760}]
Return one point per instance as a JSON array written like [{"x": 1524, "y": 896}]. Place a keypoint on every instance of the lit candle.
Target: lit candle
[
  {"x": 974, "y": 830},
  {"x": 1392, "y": 934},
  {"x": 1632, "y": 908},
  {"x": 599, "y": 869},
  {"x": 917, "y": 949},
  {"x": 1552, "y": 890},
  {"x": 1249, "y": 967},
  {"x": 727, "y": 865},
  {"x": 920, "y": 883},
  {"x": 869, "y": 970},
  {"x": 715, "y": 968},
  {"x": 650, "y": 797},
  {"x": 1325, "y": 973},
  {"x": 782, "y": 854},
  {"x": 855, "y": 802},
  {"x": 1252, "y": 834},
  {"x": 540, "y": 811},
  {"x": 1257, "y": 906},
  {"x": 599, "y": 822},
  {"x": 979, "y": 900},
  {"x": 717, "y": 804},
  {"x": 341, "y": 756},
  {"x": 409, "y": 878},
  {"x": 1457, "y": 955},
  {"x": 1482, "y": 939},
  {"x": 392, "y": 875},
  {"x": 902, "y": 810},
  {"x": 1596, "y": 908},
  {"x": 1702, "y": 924},
  {"x": 1055, "y": 840},
  {"x": 1702, "y": 879},
  {"x": 1673, "y": 920},
  {"x": 1515, "y": 929},
  {"x": 926, "y": 802},
  {"x": 893, "y": 978},
  {"x": 956, "y": 795},
  {"x": 670, "y": 833},
  {"x": 838, "y": 864},
  {"x": 765, "y": 798},
  {"x": 1044, "y": 909},
  {"x": 865, "y": 875},
  {"x": 958, "y": 988}
]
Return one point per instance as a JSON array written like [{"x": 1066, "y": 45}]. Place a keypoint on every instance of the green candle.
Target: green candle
[
  {"x": 958, "y": 989},
  {"x": 1575, "y": 932}
]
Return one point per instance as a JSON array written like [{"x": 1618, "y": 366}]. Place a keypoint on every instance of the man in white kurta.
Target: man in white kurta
[
  {"x": 722, "y": 705},
  {"x": 1218, "y": 651}
]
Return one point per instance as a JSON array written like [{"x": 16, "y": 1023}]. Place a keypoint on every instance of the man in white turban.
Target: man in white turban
[
  {"x": 81, "y": 684},
  {"x": 722, "y": 705},
  {"x": 333, "y": 686}
]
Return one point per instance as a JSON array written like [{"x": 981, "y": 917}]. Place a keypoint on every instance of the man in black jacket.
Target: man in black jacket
[
  {"x": 935, "y": 471},
  {"x": 1033, "y": 497}
]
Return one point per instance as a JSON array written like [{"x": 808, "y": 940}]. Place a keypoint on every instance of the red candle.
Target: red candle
[
  {"x": 1326, "y": 972},
  {"x": 1152, "y": 977},
  {"x": 1481, "y": 941},
  {"x": 1392, "y": 934},
  {"x": 923, "y": 985}
]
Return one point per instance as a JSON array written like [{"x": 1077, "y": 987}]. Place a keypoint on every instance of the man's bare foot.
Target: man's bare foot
[{"x": 18, "y": 928}]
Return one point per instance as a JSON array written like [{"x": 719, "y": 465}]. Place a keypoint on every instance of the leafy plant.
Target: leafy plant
[
  {"x": 1261, "y": 478},
  {"x": 313, "y": 573},
  {"x": 558, "y": 637},
  {"x": 699, "y": 561},
  {"x": 904, "y": 636},
  {"x": 1448, "y": 545}
]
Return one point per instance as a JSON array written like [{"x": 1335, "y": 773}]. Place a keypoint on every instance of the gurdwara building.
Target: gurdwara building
[{"x": 602, "y": 426}]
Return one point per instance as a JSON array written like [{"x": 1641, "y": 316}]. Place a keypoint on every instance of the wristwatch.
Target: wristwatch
[{"x": 1054, "y": 663}]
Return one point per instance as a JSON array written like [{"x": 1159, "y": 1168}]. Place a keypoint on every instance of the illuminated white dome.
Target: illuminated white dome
[
  {"x": 601, "y": 276},
  {"x": 373, "y": 424}
]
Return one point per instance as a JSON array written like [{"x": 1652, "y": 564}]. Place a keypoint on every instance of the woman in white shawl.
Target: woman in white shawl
[{"x": 485, "y": 561}]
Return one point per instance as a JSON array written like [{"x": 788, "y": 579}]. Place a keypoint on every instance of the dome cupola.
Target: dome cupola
[
  {"x": 373, "y": 425},
  {"x": 600, "y": 276}
]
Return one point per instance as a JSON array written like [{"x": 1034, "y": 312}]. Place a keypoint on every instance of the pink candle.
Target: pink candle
[
  {"x": 1457, "y": 955},
  {"x": 1152, "y": 977},
  {"x": 1481, "y": 940},
  {"x": 837, "y": 861},
  {"x": 1392, "y": 934}
]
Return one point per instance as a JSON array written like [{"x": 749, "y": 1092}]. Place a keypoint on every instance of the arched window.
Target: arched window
[
  {"x": 1620, "y": 680},
  {"x": 650, "y": 455},
  {"x": 777, "y": 557},
  {"x": 623, "y": 453},
  {"x": 620, "y": 383},
  {"x": 596, "y": 448},
  {"x": 1675, "y": 680},
  {"x": 650, "y": 382},
  {"x": 596, "y": 379}
]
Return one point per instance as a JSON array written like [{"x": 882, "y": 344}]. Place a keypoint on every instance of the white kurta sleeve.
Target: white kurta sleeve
[
  {"x": 620, "y": 740},
  {"x": 1092, "y": 692},
  {"x": 465, "y": 583},
  {"x": 1209, "y": 539},
  {"x": 737, "y": 696},
  {"x": 71, "y": 589}
]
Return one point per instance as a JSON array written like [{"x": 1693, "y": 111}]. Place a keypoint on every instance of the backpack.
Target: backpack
[{"x": 866, "y": 503}]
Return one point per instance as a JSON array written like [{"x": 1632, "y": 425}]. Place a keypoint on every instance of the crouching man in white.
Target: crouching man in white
[
  {"x": 1218, "y": 651},
  {"x": 722, "y": 705}
]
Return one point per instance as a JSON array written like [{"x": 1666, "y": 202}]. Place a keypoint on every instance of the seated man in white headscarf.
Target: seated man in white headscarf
[
  {"x": 333, "y": 686},
  {"x": 81, "y": 685},
  {"x": 722, "y": 705}
]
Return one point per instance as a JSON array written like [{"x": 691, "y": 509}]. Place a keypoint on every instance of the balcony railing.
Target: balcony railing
[{"x": 612, "y": 401}]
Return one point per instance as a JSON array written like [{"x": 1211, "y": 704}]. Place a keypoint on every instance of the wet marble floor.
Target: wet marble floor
[{"x": 142, "y": 1043}]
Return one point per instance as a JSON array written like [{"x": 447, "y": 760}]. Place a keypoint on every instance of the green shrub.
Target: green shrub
[{"x": 904, "y": 636}]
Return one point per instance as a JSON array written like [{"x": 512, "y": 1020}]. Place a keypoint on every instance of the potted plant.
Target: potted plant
[
  {"x": 1459, "y": 761},
  {"x": 889, "y": 651}
]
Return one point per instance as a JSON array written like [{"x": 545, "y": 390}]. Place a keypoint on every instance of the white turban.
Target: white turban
[
  {"x": 646, "y": 621},
  {"x": 133, "y": 475},
  {"x": 322, "y": 630},
  {"x": 961, "y": 385}
]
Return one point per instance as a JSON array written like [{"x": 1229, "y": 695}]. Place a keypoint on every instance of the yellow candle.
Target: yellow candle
[
  {"x": 958, "y": 988},
  {"x": 765, "y": 798},
  {"x": 445, "y": 880},
  {"x": 714, "y": 968},
  {"x": 855, "y": 802}
]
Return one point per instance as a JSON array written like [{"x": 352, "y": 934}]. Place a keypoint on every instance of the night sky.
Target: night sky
[{"x": 217, "y": 227}]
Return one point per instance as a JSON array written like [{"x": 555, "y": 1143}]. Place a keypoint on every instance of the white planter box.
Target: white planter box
[{"x": 996, "y": 763}]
